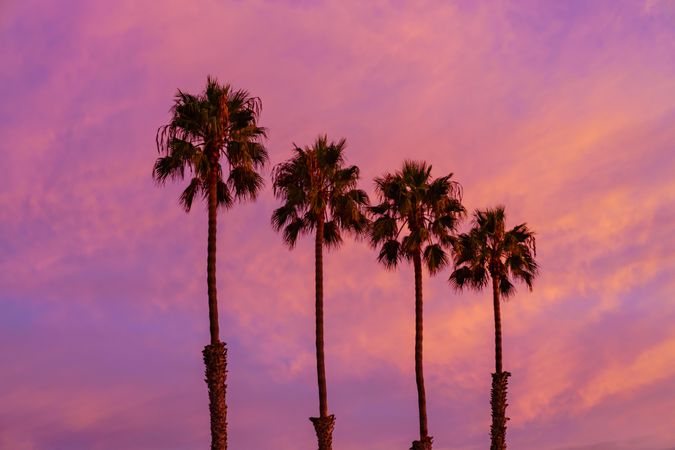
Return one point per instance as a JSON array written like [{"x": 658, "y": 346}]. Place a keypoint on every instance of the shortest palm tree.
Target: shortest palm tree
[
  {"x": 487, "y": 252},
  {"x": 320, "y": 195}
]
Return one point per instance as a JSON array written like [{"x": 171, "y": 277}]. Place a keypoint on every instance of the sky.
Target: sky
[{"x": 563, "y": 111}]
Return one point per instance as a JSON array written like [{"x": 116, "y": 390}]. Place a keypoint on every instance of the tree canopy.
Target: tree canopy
[
  {"x": 212, "y": 131},
  {"x": 417, "y": 214},
  {"x": 317, "y": 186}
]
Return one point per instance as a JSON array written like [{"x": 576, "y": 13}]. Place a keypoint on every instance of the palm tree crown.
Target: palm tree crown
[
  {"x": 218, "y": 124},
  {"x": 316, "y": 187},
  {"x": 416, "y": 215},
  {"x": 487, "y": 250}
]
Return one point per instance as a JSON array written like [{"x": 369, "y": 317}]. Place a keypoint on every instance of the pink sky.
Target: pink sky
[{"x": 562, "y": 110}]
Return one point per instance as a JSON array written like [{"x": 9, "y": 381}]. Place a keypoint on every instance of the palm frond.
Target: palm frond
[
  {"x": 283, "y": 215},
  {"x": 168, "y": 167},
  {"x": 331, "y": 234},
  {"x": 223, "y": 195},
  {"x": 435, "y": 258},
  {"x": 245, "y": 182},
  {"x": 189, "y": 194},
  {"x": 506, "y": 288},
  {"x": 293, "y": 230},
  {"x": 390, "y": 254}
]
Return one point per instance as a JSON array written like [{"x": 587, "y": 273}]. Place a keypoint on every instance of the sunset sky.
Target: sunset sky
[{"x": 564, "y": 111}]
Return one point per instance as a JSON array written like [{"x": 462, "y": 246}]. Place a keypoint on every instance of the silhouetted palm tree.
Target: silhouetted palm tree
[
  {"x": 215, "y": 138},
  {"x": 415, "y": 221},
  {"x": 320, "y": 195},
  {"x": 487, "y": 252}
]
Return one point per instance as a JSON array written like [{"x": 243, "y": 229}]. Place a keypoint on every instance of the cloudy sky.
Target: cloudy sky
[{"x": 564, "y": 111}]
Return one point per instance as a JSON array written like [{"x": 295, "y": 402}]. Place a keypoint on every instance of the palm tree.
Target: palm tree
[
  {"x": 414, "y": 221},
  {"x": 487, "y": 252},
  {"x": 208, "y": 131},
  {"x": 320, "y": 196}
]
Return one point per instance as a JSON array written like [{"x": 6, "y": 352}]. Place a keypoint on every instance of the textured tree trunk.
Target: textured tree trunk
[
  {"x": 498, "y": 401},
  {"x": 324, "y": 424},
  {"x": 324, "y": 431},
  {"x": 424, "y": 442},
  {"x": 499, "y": 379},
  {"x": 215, "y": 354}
]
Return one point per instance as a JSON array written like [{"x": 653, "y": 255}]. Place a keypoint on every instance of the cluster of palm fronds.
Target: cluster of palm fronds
[{"x": 214, "y": 138}]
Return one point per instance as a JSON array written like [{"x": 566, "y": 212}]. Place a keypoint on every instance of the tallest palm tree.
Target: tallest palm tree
[{"x": 214, "y": 138}]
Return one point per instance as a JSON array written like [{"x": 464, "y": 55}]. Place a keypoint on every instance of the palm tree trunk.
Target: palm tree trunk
[
  {"x": 425, "y": 440},
  {"x": 499, "y": 379},
  {"x": 325, "y": 423},
  {"x": 215, "y": 354},
  {"x": 498, "y": 324}
]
